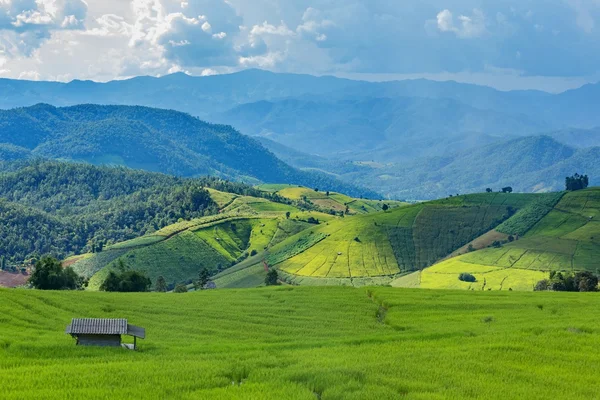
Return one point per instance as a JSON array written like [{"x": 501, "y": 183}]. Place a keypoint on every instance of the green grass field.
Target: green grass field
[
  {"x": 306, "y": 343},
  {"x": 565, "y": 237}
]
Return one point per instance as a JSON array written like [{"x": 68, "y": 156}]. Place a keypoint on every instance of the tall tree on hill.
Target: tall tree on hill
[
  {"x": 576, "y": 182},
  {"x": 203, "y": 278},
  {"x": 271, "y": 278}
]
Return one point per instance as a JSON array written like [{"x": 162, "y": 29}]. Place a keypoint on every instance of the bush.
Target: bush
[
  {"x": 181, "y": 288},
  {"x": 542, "y": 285},
  {"x": 253, "y": 253},
  {"x": 466, "y": 277}
]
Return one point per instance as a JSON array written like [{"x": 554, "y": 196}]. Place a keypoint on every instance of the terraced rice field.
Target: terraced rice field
[
  {"x": 306, "y": 343},
  {"x": 565, "y": 239},
  {"x": 400, "y": 240}
]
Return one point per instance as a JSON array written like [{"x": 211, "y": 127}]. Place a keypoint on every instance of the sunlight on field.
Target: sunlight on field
[{"x": 445, "y": 276}]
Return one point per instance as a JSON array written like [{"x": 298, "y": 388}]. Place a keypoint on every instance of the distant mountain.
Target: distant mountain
[
  {"x": 530, "y": 164},
  {"x": 580, "y": 138},
  {"x": 380, "y": 129},
  {"x": 150, "y": 139},
  {"x": 204, "y": 96}
]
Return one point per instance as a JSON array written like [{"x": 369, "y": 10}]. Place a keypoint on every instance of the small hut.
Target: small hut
[{"x": 103, "y": 332}]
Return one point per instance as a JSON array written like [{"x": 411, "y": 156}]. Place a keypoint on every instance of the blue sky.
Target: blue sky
[{"x": 549, "y": 44}]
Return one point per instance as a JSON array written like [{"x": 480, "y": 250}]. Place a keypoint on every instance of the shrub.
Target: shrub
[
  {"x": 466, "y": 277},
  {"x": 542, "y": 285},
  {"x": 181, "y": 288}
]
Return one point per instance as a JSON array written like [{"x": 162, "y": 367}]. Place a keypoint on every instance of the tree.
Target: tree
[
  {"x": 161, "y": 284},
  {"x": 316, "y": 189},
  {"x": 49, "y": 274},
  {"x": 466, "y": 277},
  {"x": 2, "y": 263},
  {"x": 203, "y": 278},
  {"x": 180, "y": 288},
  {"x": 271, "y": 278},
  {"x": 507, "y": 189},
  {"x": 126, "y": 281},
  {"x": 385, "y": 207},
  {"x": 576, "y": 182},
  {"x": 287, "y": 215},
  {"x": 580, "y": 282},
  {"x": 327, "y": 193},
  {"x": 489, "y": 190},
  {"x": 586, "y": 282}
]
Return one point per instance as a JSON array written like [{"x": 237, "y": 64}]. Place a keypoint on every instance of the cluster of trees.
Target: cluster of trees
[
  {"x": 48, "y": 274},
  {"x": 124, "y": 280},
  {"x": 567, "y": 282},
  {"x": 576, "y": 182},
  {"x": 507, "y": 189}
]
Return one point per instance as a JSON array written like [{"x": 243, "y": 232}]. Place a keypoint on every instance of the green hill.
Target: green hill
[
  {"x": 562, "y": 237},
  {"x": 59, "y": 208},
  {"x": 244, "y": 228},
  {"x": 305, "y": 343},
  {"x": 151, "y": 139},
  {"x": 401, "y": 240}
]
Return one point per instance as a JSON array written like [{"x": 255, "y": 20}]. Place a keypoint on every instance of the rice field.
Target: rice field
[
  {"x": 566, "y": 238},
  {"x": 402, "y": 239},
  {"x": 306, "y": 343}
]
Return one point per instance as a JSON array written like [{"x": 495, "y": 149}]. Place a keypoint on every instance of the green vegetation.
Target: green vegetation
[
  {"x": 156, "y": 140},
  {"x": 440, "y": 240},
  {"x": 566, "y": 238},
  {"x": 528, "y": 216},
  {"x": 576, "y": 182},
  {"x": 402, "y": 239},
  {"x": 306, "y": 343},
  {"x": 329, "y": 201},
  {"x": 49, "y": 274},
  {"x": 579, "y": 282}
]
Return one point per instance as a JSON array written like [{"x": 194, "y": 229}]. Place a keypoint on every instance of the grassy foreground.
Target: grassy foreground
[{"x": 306, "y": 343}]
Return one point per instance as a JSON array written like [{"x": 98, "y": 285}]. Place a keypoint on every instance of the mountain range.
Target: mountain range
[
  {"x": 151, "y": 139},
  {"x": 413, "y": 139}
]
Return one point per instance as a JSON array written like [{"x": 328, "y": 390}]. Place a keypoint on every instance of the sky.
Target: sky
[{"x": 549, "y": 45}]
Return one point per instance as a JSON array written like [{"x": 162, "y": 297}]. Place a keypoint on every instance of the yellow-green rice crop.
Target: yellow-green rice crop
[{"x": 306, "y": 343}]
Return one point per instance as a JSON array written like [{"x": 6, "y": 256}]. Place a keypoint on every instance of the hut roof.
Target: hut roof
[{"x": 104, "y": 326}]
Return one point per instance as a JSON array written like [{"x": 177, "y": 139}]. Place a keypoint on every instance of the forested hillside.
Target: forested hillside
[
  {"x": 151, "y": 139},
  {"x": 65, "y": 208}
]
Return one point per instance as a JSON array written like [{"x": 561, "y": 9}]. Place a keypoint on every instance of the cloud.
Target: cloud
[
  {"x": 466, "y": 28},
  {"x": 26, "y": 24},
  {"x": 196, "y": 34},
  {"x": 105, "y": 39}
]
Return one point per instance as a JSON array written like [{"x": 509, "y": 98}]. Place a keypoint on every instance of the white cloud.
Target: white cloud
[
  {"x": 106, "y": 39},
  {"x": 466, "y": 28},
  {"x": 26, "y": 24}
]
